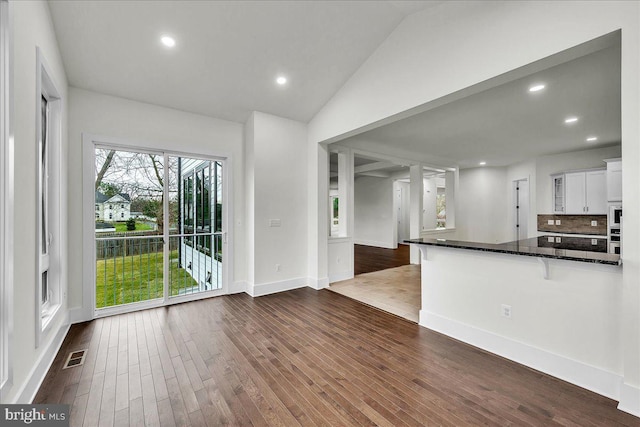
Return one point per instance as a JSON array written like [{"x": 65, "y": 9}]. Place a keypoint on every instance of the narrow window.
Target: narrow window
[{"x": 49, "y": 126}]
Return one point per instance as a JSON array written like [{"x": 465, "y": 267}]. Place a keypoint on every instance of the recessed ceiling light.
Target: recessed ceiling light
[
  {"x": 592, "y": 138},
  {"x": 482, "y": 163},
  {"x": 537, "y": 87},
  {"x": 168, "y": 41},
  {"x": 570, "y": 120},
  {"x": 281, "y": 80}
]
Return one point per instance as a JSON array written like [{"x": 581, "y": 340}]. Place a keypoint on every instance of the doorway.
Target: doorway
[{"x": 160, "y": 221}]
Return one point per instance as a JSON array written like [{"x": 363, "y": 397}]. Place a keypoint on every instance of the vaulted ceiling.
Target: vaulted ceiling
[{"x": 227, "y": 53}]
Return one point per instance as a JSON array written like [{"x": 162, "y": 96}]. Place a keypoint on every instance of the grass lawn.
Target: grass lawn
[
  {"x": 123, "y": 280},
  {"x": 121, "y": 227}
]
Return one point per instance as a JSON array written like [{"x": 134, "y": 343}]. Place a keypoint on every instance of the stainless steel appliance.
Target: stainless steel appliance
[
  {"x": 615, "y": 228},
  {"x": 615, "y": 216}
]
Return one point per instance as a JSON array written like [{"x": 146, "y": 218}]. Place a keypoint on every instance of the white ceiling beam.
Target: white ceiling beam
[
  {"x": 372, "y": 167},
  {"x": 376, "y": 174}
]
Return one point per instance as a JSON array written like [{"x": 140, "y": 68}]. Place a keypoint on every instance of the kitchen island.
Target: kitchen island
[{"x": 549, "y": 308}]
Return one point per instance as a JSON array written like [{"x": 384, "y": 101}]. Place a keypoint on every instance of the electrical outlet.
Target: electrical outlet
[
  {"x": 549, "y": 222},
  {"x": 594, "y": 223},
  {"x": 558, "y": 240},
  {"x": 558, "y": 222},
  {"x": 277, "y": 267},
  {"x": 594, "y": 241},
  {"x": 338, "y": 260},
  {"x": 505, "y": 310}
]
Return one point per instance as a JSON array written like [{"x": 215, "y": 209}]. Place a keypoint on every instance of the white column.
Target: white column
[{"x": 415, "y": 216}]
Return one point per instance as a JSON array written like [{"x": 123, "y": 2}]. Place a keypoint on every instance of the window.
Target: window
[
  {"x": 97, "y": 207},
  {"x": 441, "y": 208},
  {"x": 6, "y": 195},
  {"x": 338, "y": 194},
  {"x": 110, "y": 215},
  {"x": 121, "y": 214},
  {"x": 121, "y": 206},
  {"x": 97, "y": 215},
  {"x": 49, "y": 127}
]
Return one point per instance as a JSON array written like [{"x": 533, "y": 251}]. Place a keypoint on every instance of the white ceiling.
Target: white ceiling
[
  {"x": 228, "y": 53},
  {"x": 507, "y": 124}
]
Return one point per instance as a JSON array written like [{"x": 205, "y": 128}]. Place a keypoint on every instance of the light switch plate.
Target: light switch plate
[
  {"x": 594, "y": 241},
  {"x": 274, "y": 223},
  {"x": 558, "y": 222},
  {"x": 550, "y": 239},
  {"x": 594, "y": 223},
  {"x": 550, "y": 222}
]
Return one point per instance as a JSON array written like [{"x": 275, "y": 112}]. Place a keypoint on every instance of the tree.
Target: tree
[
  {"x": 109, "y": 189},
  {"x": 103, "y": 169},
  {"x": 141, "y": 176},
  {"x": 131, "y": 224}
]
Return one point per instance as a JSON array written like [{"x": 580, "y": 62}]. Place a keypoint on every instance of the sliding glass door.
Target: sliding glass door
[{"x": 159, "y": 234}]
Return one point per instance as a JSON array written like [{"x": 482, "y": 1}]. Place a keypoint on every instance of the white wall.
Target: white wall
[
  {"x": 483, "y": 211},
  {"x": 280, "y": 185},
  {"x": 547, "y": 165},
  {"x": 373, "y": 212},
  {"x": 581, "y": 297},
  {"x": 32, "y": 28},
  {"x": 445, "y": 50},
  {"x": 147, "y": 126}
]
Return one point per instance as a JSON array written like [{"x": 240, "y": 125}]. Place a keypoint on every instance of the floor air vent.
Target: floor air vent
[{"x": 76, "y": 358}]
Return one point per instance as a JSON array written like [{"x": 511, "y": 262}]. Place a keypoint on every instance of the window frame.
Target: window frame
[{"x": 47, "y": 308}]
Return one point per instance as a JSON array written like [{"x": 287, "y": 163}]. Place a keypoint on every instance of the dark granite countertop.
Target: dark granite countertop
[{"x": 536, "y": 247}]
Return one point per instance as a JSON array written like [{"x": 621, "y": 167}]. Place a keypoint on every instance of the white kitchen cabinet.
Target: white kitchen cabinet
[
  {"x": 586, "y": 192},
  {"x": 614, "y": 180},
  {"x": 558, "y": 193}
]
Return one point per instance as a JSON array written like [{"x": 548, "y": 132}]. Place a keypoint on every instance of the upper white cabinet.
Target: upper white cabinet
[
  {"x": 614, "y": 180},
  {"x": 586, "y": 192},
  {"x": 558, "y": 193}
]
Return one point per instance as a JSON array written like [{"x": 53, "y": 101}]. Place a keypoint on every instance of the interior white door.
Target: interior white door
[{"x": 521, "y": 209}]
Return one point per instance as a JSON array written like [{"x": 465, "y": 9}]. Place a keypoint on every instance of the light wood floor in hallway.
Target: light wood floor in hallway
[
  {"x": 394, "y": 290},
  {"x": 302, "y": 357}
]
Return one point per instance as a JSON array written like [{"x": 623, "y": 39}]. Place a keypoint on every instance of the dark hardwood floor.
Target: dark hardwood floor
[
  {"x": 368, "y": 259},
  {"x": 302, "y": 357}
]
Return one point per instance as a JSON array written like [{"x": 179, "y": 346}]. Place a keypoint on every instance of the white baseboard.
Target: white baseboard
[
  {"x": 238, "y": 287},
  {"x": 375, "y": 243},
  {"x": 32, "y": 384},
  {"x": 595, "y": 379},
  {"x": 274, "y": 287},
  {"x": 318, "y": 284},
  {"x": 629, "y": 399},
  {"x": 337, "y": 277}
]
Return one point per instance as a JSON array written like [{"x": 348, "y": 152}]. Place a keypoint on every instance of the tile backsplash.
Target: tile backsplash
[{"x": 573, "y": 224}]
